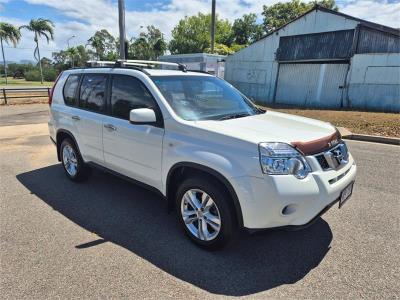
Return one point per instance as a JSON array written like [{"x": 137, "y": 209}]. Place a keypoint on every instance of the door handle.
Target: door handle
[
  {"x": 110, "y": 126},
  {"x": 76, "y": 118}
]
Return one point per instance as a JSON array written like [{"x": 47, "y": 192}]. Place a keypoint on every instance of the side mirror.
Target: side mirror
[{"x": 142, "y": 116}]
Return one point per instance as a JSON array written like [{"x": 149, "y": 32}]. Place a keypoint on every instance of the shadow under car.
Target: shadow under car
[{"x": 136, "y": 219}]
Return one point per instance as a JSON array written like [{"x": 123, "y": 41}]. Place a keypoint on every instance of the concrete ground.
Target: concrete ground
[{"x": 111, "y": 239}]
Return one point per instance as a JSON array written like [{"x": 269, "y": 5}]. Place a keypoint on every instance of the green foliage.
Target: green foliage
[
  {"x": 104, "y": 44},
  {"x": 192, "y": 34},
  {"x": 220, "y": 49},
  {"x": 46, "y": 62},
  {"x": 49, "y": 74},
  {"x": 149, "y": 45},
  {"x": 9, "y": 33},
  {"x": 246, "y": 30},
  {"x": 279, "y": 14},
  {"x": 33, "y": 75},
  {"x": 79, "y": 55},
  {"x": 41, "y": 27},
  {"x": 18, "y": 70}
]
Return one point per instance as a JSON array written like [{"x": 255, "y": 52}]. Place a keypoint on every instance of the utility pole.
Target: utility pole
[
  {"x": 72, "y": 57},
  {"x": 121, "y": 19},
  {"x": 212, "y": 25}
]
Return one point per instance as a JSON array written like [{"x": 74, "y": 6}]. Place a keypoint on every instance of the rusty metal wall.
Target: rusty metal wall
[
  {"x": 374, "y": 41},
  {"x": 316, "y": 46}
]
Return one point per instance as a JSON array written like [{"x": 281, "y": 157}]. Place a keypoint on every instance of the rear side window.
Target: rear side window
[
  {"x": 128, "y": 93},
  {"x": 70, "y": 87},
  {"x": 92, "y": 94}
]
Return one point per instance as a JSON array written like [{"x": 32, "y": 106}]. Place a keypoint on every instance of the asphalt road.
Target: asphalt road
[{"x": 110, "y": 238}]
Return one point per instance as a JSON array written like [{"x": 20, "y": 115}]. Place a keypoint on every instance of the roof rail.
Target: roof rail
[
  {"x": 151, "y": 63},
  {"x": 134, "y": 63}
]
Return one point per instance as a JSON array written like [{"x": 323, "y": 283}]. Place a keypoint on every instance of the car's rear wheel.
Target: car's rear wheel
[
  {"x": 205, "y": 213},
  {"x": 72, "y": 161}
]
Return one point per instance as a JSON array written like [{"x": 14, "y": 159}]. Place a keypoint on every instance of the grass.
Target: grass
[
  {"x": 372, "y": 123},
  {"x": 22, "y": 82}
]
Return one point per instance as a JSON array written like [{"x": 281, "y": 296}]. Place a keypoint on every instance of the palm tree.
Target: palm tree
[
  {"x": 40, "y": 27},
  {"x": 8, "y": 33},
  {"x": 73, "y": 53}
]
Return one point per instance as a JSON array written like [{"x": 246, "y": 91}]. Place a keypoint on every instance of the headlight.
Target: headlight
[{"x": 282, "y": 159}]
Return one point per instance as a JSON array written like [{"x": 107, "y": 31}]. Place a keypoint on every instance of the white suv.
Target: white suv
[{"x": 219, "y": 160}]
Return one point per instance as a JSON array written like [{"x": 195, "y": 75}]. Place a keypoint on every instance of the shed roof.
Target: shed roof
[{"x": 317, "y": 7}]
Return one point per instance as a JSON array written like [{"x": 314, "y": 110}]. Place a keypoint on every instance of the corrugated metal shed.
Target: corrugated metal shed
[
  {"x": 325, "y": 45},
  {"x": 375, "y": 41},
  {"x": 278, "y": 68}
]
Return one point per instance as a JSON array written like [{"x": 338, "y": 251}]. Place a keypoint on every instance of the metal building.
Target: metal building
[
  {"x": 212, "y": 63},
  {"x": 322, "y": 59}
]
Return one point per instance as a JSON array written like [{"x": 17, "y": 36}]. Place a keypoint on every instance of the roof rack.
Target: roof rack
[{"x": 134, "y": 63}]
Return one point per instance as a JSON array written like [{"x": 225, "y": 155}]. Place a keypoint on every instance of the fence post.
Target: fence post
[{"x": 5, "y": 97}]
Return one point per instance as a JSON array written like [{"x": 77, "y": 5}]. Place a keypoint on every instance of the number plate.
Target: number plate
[{"x": 346, "y": 194}]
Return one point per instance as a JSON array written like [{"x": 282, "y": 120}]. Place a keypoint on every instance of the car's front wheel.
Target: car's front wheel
[{"x": 205, "y": 213}]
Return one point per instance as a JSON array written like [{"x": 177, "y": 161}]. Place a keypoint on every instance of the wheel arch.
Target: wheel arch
[
  {"x": 182, "y": 168},
  {"x": 60, "y": 136}
]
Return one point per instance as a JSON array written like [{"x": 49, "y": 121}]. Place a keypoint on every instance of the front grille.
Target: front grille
[
  {"x": 334, "y": 157},
  {"x": 322, "y": 162}
]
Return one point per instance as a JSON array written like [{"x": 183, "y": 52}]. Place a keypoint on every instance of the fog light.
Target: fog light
[{"x": 289, "y": 209}]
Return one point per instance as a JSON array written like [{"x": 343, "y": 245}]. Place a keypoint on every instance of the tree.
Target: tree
[
  {"x": 40, "y": 27},
  {"x": 246, "y": 30},
  {"x": 192, "y": 34},
  {"x": 79, "y": 55},
  {"x": 280, "y": 13},
  {"x": 46, "y": 62},
  {"x": 9, "y": 34},
  {"x": 104, "y": 44},
  {"x": 149, "y": 45},
  {"x": 220, "y": 49}
]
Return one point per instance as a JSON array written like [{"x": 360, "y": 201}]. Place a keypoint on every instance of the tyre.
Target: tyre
[
  {"x": 73, "y": 164},
  {"x": 205, "y": 213}
]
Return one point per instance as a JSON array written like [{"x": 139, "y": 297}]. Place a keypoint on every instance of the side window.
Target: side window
[
  {"x": 69, "y": 90},
  {"x": 92, "y": 94},
  {"x": 128, "y": 93}
]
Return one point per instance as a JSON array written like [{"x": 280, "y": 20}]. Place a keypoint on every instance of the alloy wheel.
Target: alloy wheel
[
  {"x": 200, "y": 214},
  {"x": 70, "y": 160}
]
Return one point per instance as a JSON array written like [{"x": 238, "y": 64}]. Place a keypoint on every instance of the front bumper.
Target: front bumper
[{"x": 263, "y": 199}]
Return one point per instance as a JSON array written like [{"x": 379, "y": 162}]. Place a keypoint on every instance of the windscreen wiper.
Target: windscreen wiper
[{"x": 235, "y": 116}]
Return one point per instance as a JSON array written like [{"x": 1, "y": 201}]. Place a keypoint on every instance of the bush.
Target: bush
[
  {"x": 33, "y": 75},
  {"x": 49, "y": 74}
]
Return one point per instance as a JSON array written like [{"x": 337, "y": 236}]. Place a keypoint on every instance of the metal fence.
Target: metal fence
[{"x": 7, "y": 94}]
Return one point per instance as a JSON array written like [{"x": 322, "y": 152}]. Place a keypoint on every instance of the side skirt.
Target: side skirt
[{"x": 134, "y": 181}]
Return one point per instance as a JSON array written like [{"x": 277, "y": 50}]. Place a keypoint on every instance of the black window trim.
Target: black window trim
[
  {"x": 159, "y": 116},
  {"x": 106, "y": 94},
  {"x": 76, "y": 90}
]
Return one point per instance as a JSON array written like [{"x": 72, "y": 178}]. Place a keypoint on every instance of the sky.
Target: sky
[{"x": 81, "y": 18}]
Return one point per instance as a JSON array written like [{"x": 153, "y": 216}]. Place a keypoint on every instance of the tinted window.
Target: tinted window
[
  {"x": 93, "y": 92},
  {"x": 128, "y": 93},
  {"x": 70, "y": 89}
]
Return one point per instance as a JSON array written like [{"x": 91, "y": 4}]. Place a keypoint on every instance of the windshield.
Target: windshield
[{"x": 204, "y": 98}]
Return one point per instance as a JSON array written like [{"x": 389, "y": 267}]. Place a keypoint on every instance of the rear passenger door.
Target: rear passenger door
[
  {"x": 131, "y": 149},
  {"x": 89, "y": 118}
]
